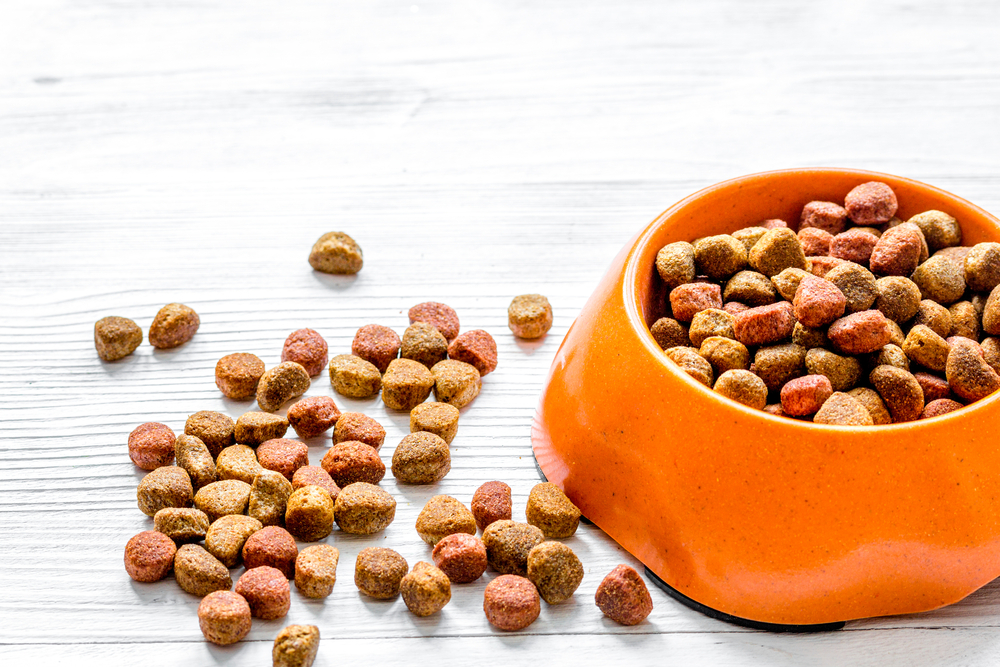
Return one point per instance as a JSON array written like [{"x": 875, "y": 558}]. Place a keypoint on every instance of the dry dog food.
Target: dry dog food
[
  {"x": 511, "y": 602},
  {"x": 219, "y": 499},
  {"x": 743, "y": 387},
  {"x": 825, "y": 215},
  {"x": 555, "y": 571},
  {"x": 337, "y": 253},
  {"x": 273, "y": 546},
  {"x": 116, "y": 337},
  {"x": 316, "y": 570},
  {"x": 281, "y": 384},
  {"x": 194, "y": 457},
  {"x": 199, "y": 572},
  {"x": 215, "y": 429},
  {"x": 269, "y": 496},
  {"x": 309, "y": 513},
  {"x": 238, "y": 462},
  {"x": 406, "y": 384},
  {"x": 266, "y": 591},
  {"x": 295, "y": 646},
  {"x": 456, "y": 382},
  {"x": 424, "y": 344},
  {"x": 174, "y": 324},
  {"x": 149, "y": 556},
  {"x": 425, "y": 589},
  {"x": 440, "y": 419},
  {"x": 167, "y": 486},
  {"x": 443, "y": 516},
  {"x": 845, "y": 410},
  {"x": 551, "y": 511},
  {"x": 313, "y": 416},
  {"x": 226, "y": 537},
  {"x": 508, "y": 543},
  {"x": 224, "y": 617},
  {"x": 253, "y": 428},
  {"x": 354, "y": 426},
  {"x": 421, "y": 458},
  {"x": 461, "y": 556},
  {"x": 237, "y": 375},
  {"x": 378, "y": 572},
  {"x": 351, "y": 461},
  {"x": 438, "y": 315},
  {"x": 491, "y": 502},
  {"x": 364, "y": 509},
  {"x": 377, "y": 345},
  {"x": 529, "y": 316},
  {"x": 476, "y": 348},
  {"x": 354, "y": 377},
  {"x": 283, "y": 455},
  {"x": 307, "y": 348},
  {"x": 151, "y": 445},
  {"x": 315, "y": 476},
  {"x": 181, "y": 524},
  {"x": 623, "y": 597}
]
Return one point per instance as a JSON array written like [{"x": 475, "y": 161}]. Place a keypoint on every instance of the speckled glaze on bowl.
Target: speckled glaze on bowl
[{"x": 760, "y": 517}]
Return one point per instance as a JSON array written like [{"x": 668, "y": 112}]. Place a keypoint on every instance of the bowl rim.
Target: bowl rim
[{"x": 633, "y": 308}]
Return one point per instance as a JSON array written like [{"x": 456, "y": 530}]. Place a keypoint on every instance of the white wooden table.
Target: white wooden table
[{"x": 166, "y": 151}]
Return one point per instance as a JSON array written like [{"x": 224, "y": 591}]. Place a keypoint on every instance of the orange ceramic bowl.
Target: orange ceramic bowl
[{"x": 763, "y": 518}]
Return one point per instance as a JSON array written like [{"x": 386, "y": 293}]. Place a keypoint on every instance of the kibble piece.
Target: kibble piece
[
  {"x": 224, "y": 617},
  {"x": 408, "y": 383},
  {"x": 491, "y": 502},
  {"x": 940, "y": 280},
  {"x": 926, "y": 348},
  {"x": 215, "y": 429},
  {"x": 765, "y": 324},
  {"x": 719, "y": 256},
  {"x": 709, "y": 323},
  {"x": 377, "y": 345},
  {"x": 691, "y": 298},
  {"x": 309, "y": 513},
  {"x": 725, "y": 354},
  {"x": 777, "y": 364},
  {"x": 854, "y": 245},
  {"x": 508, "y": 543},
  {"x": 199, "y": 572},
  {"x": 860, "y": 333},
  {"x": 167, "y": 486},
  {"x": 555, "y": 571},
  {"x": 991, "y": 313},
  {"x": 174, "y": 324},
  {"x": 844, "y": 410},
  {"x": 364, "y": 509},
  {"x": 743, "y": 387},
  {"x": 941, "y": 406},
  {"x": 825, "y": 215},
  {"x": 892, "y": 355},
  {"x": 456, "y": 382},
  {"x": 776, "y": 251},
  {"x": 425, "y": 590},
  {"x": 440, "y": 316},
  {"x": 440, "y": 419},
  {"x": 295, "y": 646},
  {"x": 900, "y": 391},
  {"x": 934, "y": 387},
  {"x": 750, "y": 288},
  {"x": 815, "y": 241},
  {"x": 956, "y": 254},
  {"x": 337, "y": 253},
  {"x": 805, "y": 395},
  {"x": 226, "y": 536},
  {"x": 776, "y": 410},
  {"x": 316, "y": 570},
  {"x": 898, "y": 298},
  {"x": 982, "y": 267},
  {"x": 692, "y": 363},
  {"x": 267, "y": 592},
  {"x": 149, "y": 556},
  {"x": 307, "y": 348},
  {"x": 238, "y": 462},
  {"x": 857, "y": 284},
  {"x": 194, "y": 457},
  {"x": 749, "y": 236},
  {"x": 964, "y": 320},
  {"x": 935, "y": 316},
  {"x": 940, "y": 229},
  {"x": 237, "y": 375},
  {"x": 151, "y": 445},
  {"x": 222, "y": 498},
  {"x": 623, "y": 597},
  {"x": 675, "y": 263},
  {"x": 897, "y": 252},
  {"x": 809, "y": 338},
  {"x": 774, "y": 223},
  {"x": 181, "y": 524},
  {"x": 421, "y": 458},
  {"x": 378, "y": 572},
  {"x": 354, "y": 377},
  {"x": 818, "y": 302},
  {"x": 313, "y": 416},
  {"x": 315, "y": 476},
  {"x": 733, "y": 307},
  {"x": 360, "y": 428},
  {"x": 443, "y": 516},
  {"x": 424, "y": 344},
  {"x": 269, "y": 496},
  {"x": 871, "y": 203},
  {"x": 254, "y": 428},
  {"x": 843, "y": 372},
  {"x": 511, "y": 602},
  {"x": 991, "y": 352},
  {"x": 476, "y": 348},
  {"x": 873, "y": 402},
  {"x": 668, "y": 333},
  {"x": 529, "y": 316},
  {"x": 552, "y": 512},
  {"x": 970, "y": 377},
  {"x": 820, "y": 266},
  {"x": 351, "y": 461},
  {"x": 461, "y": 556},
  {"x": 116, "y": 337},
  {"x": 281, "y": 384},
  {"x": 283, "y": 455},
  {"x": 896, "y": 335},
  {"x": 273, "y": 546},
  {"x": 787, "y": 282}
]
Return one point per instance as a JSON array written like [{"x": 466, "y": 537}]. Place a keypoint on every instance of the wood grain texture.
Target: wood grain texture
[{"x": 192, "y": 151}]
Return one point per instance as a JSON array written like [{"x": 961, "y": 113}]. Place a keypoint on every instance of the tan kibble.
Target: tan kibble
[
  {"x": 456, "y": 382},
  {"x": 336, "y": 252},
  {"x": 226, "y": 537},
  {"x": 900, "y": 391},
  {"x": 364, "y": 509},
  {"x": 181, "y": 524},
  {"x": 443, "y": 516},
  {"x": 552, "y": 512},
  {"x": 787, "y": 282},
  {"x": 237, "y": 375},
  {"x": 406, "y": 384},
  {"x": 777, "y": 364},
  {"x": 281, "y": 384},
  {"x": 991, "y": 352},
  {"x": 529, "y": 316},
  {"x": 194, "y": 457},
  {"x": 842, "y": 371},
  {"x": 222, "y": 498},
  {"x": 982, "y": 267},
  {"x": 926, "y": 348},
  {"x": 719, "y": 256},
  {"x": 425, "y": 590},
  {"x": 935, "y": 316},
  {"x": 508, "y": 544},
  {"x": 167, "y": 486},
  {"x": 269, "y": 496},
  {"x": 857, "y": 283},
  {"x": 309, "y": 513},
  {"x": 354, "y": 377},
  {"x": 898, "y": 297},
  {"x": 940, "y": 280},
  {"x": 873, "y": 402},
  {"x": 896, "y": 335},
  {"x": 421, "y": 458},
  {"x": 424, "y": 344},
  {"x": 750, "y": 288},
  {"x": 295, "y": 646},
  {"x": 316, "y": 570},
  {"x": 743, "y": 387},
  {"x": 749, "y": 236},
  {"x": 776, "y": 251},
  {"x": 940, "y": 229},
  {"x": 970, "y": 377},
  {"x": 378, "y": 572},
  {"x": 844, "y": 410},
  {"x": 668, "y": 333},
  {"x": 555, "y": 571},
  {"x": 254, "y": 428},
  {"x": 238, "y": 462},
  {"x": 675, "y": 263},
  {"x": 692, "y": 363},
  {"x": 725, "y": 354},
  {"x": 440, "y": 419},
  {"x": 808, "y": 337},
  {"x": 199, "y": 572},
  {"x": 215, "y": 429},
  {"x": 708, "y": 323},
  {"x": 964, "y": 320},
  {"x": 991, "y": 313},
  {"x": 224, "y": 617},
  {"x": 892, "y": 355},
  {"x": 116, "y": 337},
  {"x": 174, "y": 324}
]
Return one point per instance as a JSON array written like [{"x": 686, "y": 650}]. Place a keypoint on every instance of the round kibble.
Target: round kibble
[
  {"x": 857, "y": 284},
  {"x": 199, "y": 572},
  {"x": 529, "y": 316},
  {"x": 824, "y": 215},
  {"x": 309, "y": 513},
  {"x": 283, "y": 455},
  {"x": 982, "y": 267},
  {"x": 897, "y": 252},
  {"x": 424, "y": 344},
  {"x": 623, "y": 597},
  {"x": 491, "y": 502},
  {"x": 354, "y": 377},
  {"x": 508, "y": 543},
  {"x": 238, "y": 462},
  {"x": 215, "y": 429},
  {"x": 749, "y": 236},
  {"x": 194, "y": 457},
  {"x": 805, "y": 395},
  {"x": 815, "y": 241},
  {"x": 750, "y": 288},
  {"x": 295, "y": 646},
  {"x": 267, "y": 592},
  {"x": 892, "y": 355},
  {"x": 181, "y": 524},
  {"x": 964, "y": 320},
  {"x": 337, "y": 253},
  {"x": 253, "y": 428},
  {"x": 273, "y": 546},
  {"x": 351, "y": 461},
  {"x": 224, "y": 617},
  {"x": 818, "y": 302},
  {"x": 237, "y": 375},
  {"x": 991, "y": 313},
  {"x": 940, "y": 229},
  {"x": 407, "y": 383},
  {"x": 777, "y": 364},
  {"x": 226, "y": 537},
  {"x": 926, "y": 348},
  {"x": 843, "y": 410},
  {"x": 174, "y": 324},
  {"x": 552, "y": 512},
  {"x": 809, "y": 338},
  {"x": 935, "y": 316},
  {"x": 455, "y": 382},
  {"x": 443, "y": 516},
  {"x": 692, "y": 363},
  {"x": 860, "y": 333},
  {"x": 378, "y": 572},
  {"x": 313, "y": 416},
  {"x": 941, "y": 406},
  {"x": 991, "y": 352},
  {"x": 281, "y": 384},
  {"x": 687, "y": 300},
  {"x": 675, "y": 263},
  {"x": 787, "y": 282},
  {"x": 476, "y": 348},
  {"x": 843, "y": 372},
  {"x": 167, "y": 486},
  {"x": 511, "y": 602},
  {"x": 719, "y": 257},
  {"x": 668, "y": 333},
  {"x": 364, "y": 509},
  {"x": 425, "y": 590},
  {"x": 377, "y": 345},
  {"x": 149, "y": 556},
  {"x": 743, "y": 387},
  {"x": 854, "y": 245},
  {"x": 307, "y": 348},
  {"x": 765, "y": 324},
  {"x": 440, "y": 419},
  {"x": 708, "y": 323},
  {"x": 269, "y": 496},
  {"x": 900, "y": 391},
  {"x": 940, "y": 280},
  {"x": 872, "y": 203},
  {"x": 956, "y": 254},
  {"x": 219, "y": 499},
  {"x": 461, "y": 556},
  {"x": 970, "y": 377},
  {"x": 898, "y": 298},
  {"x": 316, "y": 570},
  {"x": 151, "y": 445},
  {"x": 360, "y": 428},
  {"x": 776, "y": 251},
  {"x": 421, "y": 458},
  {"x": 440, "y": 316},
  {"x": 555, "y": 571},
  {"x": 724, "y": 354},
  {"x": 933, "y": 386},
  {"x": 116, "y": 337},
  {"x": 870, "y": 399},
  {"x": 315, "y": 476}
]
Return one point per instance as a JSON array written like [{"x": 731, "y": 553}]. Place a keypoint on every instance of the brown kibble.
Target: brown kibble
[
  {"x": 809, "y": 338},
  {"x": 443, "y": 516},
  {"x": 295, "y": 646},
  {"x": 805, "y": 395},
  {"x": 668, "y": 333},
  {"x": 273, "y": 546},
  {"x": 194, "y": 457},
  {"x": 309, "y": 514},
  {"x": 456, "y": 382},
  {"x": 750, "y": 288},
  {"x": 896, "y": 335},
  {"x": 238, "y": 462},
  {"x": 824, "y": 215},
  {"x": 898, "y": 298},
  {"x": 529, "y": 316},
  {"x": 857, "y": 284},
  {"x": 283, "y": 455},
  {"x": 378, "y": 572},
  {"x": 219, "y": 499},
  {"x": 686, "y": 300},
  {"x": 843, "y": 410},
  {"x": 897, "y": 252},
  {"x": 167, "y": 486},
  {"x": 964, "y": 320},
  {"x": 675, "y": 264},
  {"x": 425, "y": 590},
  {"x": 199, "y": 572},
  {"x": 934, "y": 387},
  {"x": 776, "y": 251},
  {"x": 224, "y": 617},
  {"x": 440, "y": 419},
  {"x": 725, "y": 354},
  {"x": 743, "y": 387},
  {"x": 151, "y": 445},
  {"x": 940, "y": 229},
  {"x": 438, "y": 315},
  {"x": 991, "y": 313},
  {"x": 982, "y": 267},
  {"x": 313, "y": 416},
  {"x": 408, "y": 383},
  {"x": 935, "y": 316},
  {"x": 315, "y": 476},
  {"x": 860, "y": 333},
  {"x": 424, "y": 344},
  {"x": 174, "y": 324},
  {"x": 940, "y": 280},
  {"x": 719, "y": 256},
  {"x": 461, "y": 556},
  {"x": 749, "y": 236},
  {"x": 254, "y": 428},
  {"x": 552, "y": 512},
  {"x": 316, "y": 570},
  {"x": 421, "y": 458},
  {"x": 854, "y": 245},
  {"x": 941, "y": 406},
  {"x": 269, "y": 496},
  {"x": 267, "y": 592},
  {"x": 476, "y": 348},
  {"x": 777, "y": 364},
  {"x": 708, "y": 323},
  {"x": 970, "y": 377},
  {"x": 181, "y": 524},
  {"x": 364, "y": 509},
  {"x": 900, "y": 391},
  {"x": 787, "y": 282},
  {"x": 281, "y": 384},
  {"x": 307, "y": 348},
  {"x": 377, "y": 345},
  {"x": 991, "y": 352},
  {"x": 892, "y": 355},
  {"x": 360, "y": 428},
  {"x": 872, "y": 203},
  {"x": 511, "y": 602},
  {"x": 149, "y": 556},
  {"x": 351, "y": 461},
  {"x": 491, "y": 502},
  {"x": 555, "y": 571},
  {"x": 237, "y": 375},
  {"x": 354, "y": 377},
  {"x": 842, "y": 372},
  {"x": 873, "y": 402},
  {"x": 623, "y": 597},
  {"x": 691, "y": 363},
  {"x": 508, "y": 543},
  {"x": 815, "y": 241},
  {"x": 765, "y": 324},
  {"x": 226, "y": 536},
  {"x": 337, "y": 253},
  {"x": 926, "y": 348},
  {"x": 818, "y": 302},
  {"x": 215, "y": 429},
  {"x": 116, "y": 337}
]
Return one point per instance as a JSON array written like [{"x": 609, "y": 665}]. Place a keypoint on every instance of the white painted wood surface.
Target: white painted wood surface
[{"x": 166, "y": 151}]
